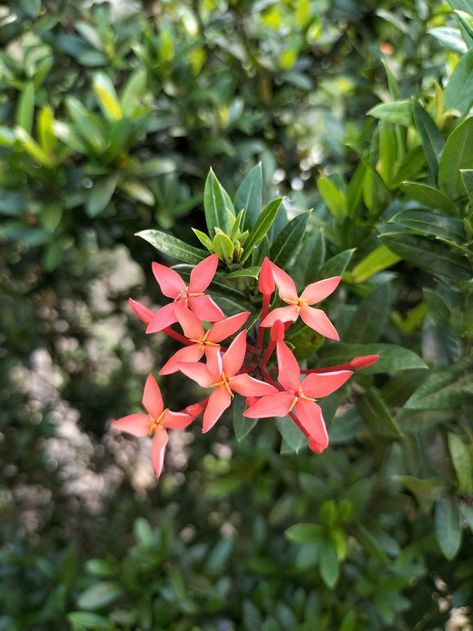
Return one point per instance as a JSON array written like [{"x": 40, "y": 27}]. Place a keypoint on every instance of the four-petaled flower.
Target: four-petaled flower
[
  {"x": 201, "y": 340},
  {"x": 154, "y": 423},
  {"x": 300, "y": 305},
  {"x": 300, "y": 397},
  {"x": 222, "y": 373},
  {"x": 192, "y": 295}
]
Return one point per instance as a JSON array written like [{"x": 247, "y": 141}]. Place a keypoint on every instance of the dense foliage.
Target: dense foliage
[{"x": 109, "y": 121}]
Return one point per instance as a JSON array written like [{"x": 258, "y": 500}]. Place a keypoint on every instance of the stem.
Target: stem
[
  {"x": 177, "y": 336},
  {"x": 264, "y": 313}
]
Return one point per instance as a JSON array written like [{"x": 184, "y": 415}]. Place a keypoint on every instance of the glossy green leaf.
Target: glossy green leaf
[
  {"x": 107, "y": 96},
  {"x": 100, "y": 195},
  {"x": 370, "y": 543},
  {"x": 329, "y": 564},
  {"x": 378, "y": 260},
  {"x": 430, "y": 136},
  {"x": 47, "y": 137},
  {"x": 138, "y": 191},
  {"x": 371, "y": 316},
  {"x": 431, "y": 225},
  {"x": 242, "y": 426},
  {"x": 288, "y": 240},
  {"x": 450, "y": 38},
  {"x": 25, "y": 109},
  {"x": 223, "y": 246},
  {"x": 457, "y": 154},
  {"x": 448, "y": 527},
  {"x": 392, "y": 357},
  {"x": 86, "y": 124},
  {"x": 467, "y": 177},
  {"x": 430, "y": 197},
  {"x": 459, "y": 91},
  {"x": 376, "y": 414},
  {"x": 85, "y": 620},
  {"x": 249, "y": 195},
  {"x": 462, "y": 463},
  {"x": 99, "y": 595},
  {"x": 175, "y": 248},
  {"x": 293, "y": 439},
  {"x": 204, "y": 239},
  {"x": 217, "y": 205},
  {"x": 247, "y": 272},
  {"x": 304, "y": 533},
  {"x": 33, "y": 149},
  {"x": 444, "y": 389},
  {"x": 261, "y": 227},
  {"x": 336, "y": 265},
  {"x": 397, "y": 112},
  {"x": 333, "y": 197},
  {"x": 133, "y": 92}
]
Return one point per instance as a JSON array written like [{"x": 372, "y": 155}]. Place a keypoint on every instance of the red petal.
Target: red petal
[
  {"x": 323, "y": 384},
  {"x": 162, "y": 319},
  {"x": 234, "y": 357},
  {"x": 134, "y": 424},
  {"x": 311, "y": 419},
  {"x": 277, "y": 404},
  {"x": 205, "y": 308},
  {"x": 177, "y": 420},
  {"x": 277, "y": 331},
  {"x": 318, "y": 320},
  {"x": 169, "y": 281},
  {"x": 152, "y": 399},
  {"x": 202, "y": 274},
  {"x": 283, "y": 314},
  {"x": 316, "y": 292},
  {"x": 219, "y": 401},
  {"x": 197, "y": 372},
  {"x": 214, "y": 362},
  {"x": 250, "y": 387},
  {"x": 195, "y": 409},
  {"x": 144, "y": 314},
  {"x": 266, "y": 283},
  {"x": 158, "y": 447},
  {"x": 190, "y": 323},
  {"x": 287, "y": 288},
  {"x": 358, "y": 363},
  {"x": 187, "y": 354},
  {"x": 228, "y": 326},
  {"x": 289, "y": 375}
]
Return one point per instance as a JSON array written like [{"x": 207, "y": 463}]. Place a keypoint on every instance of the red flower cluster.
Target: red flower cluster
[{"x": 230, "y": 370}]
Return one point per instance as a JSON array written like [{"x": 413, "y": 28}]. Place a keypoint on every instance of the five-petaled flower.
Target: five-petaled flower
[
  {"x": 300, "y": 397},
  {"x": 222, "y": 373},
  {"x": 301, "y": 305},
  {"x": 192, "y": 295},
  {"x": 154, "y": 423}
]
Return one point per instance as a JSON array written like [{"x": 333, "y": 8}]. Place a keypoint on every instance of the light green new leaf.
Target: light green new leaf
[
  {"x": 397, "y": 112},
  {"x": 304, "y": 533},
  {"x": 99, "y": 595},
  {"x": 378, "y": 260},
  {"x": 459, "y": 91},
  {"x": 204, "y": 239},
  {"x": 31, "y": 146},
  {"x": 457, "y": 154},
  {"x": 333, "y": 197},
  {"x": 177, "y": 249},
  {"x": 138, "y": 191},
  {"x": 47, "y": 137},
  {"x": 133, "y": 92},
  {"x": 223, "y": 246},
  {"x": 25, "y": 109},
  {"x": 107, "y": 96}
]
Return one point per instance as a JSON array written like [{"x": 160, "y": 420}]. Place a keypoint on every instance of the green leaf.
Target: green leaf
[
  {"x": 431, "y": 225},
  {"x": 293, "y": 439},
  {"x": 416, "y": 421},
  {"x": 217, "y": 205},
  {"x": 86, "y": 124},
  {"x": 430, "y": 136},
  {"x": 33, "y": 149},
  {"x": 247, "y": 272},
  {"x": 337, "y": 264},
  {"x": 137, "y": 191},
  {"x": 100, "y": 195},
  {"x": 241, "y": 426},
  {"x": 107, "y": 96},
  {"x": 393, "y": 358},
  {"x": 329, "y": 564},
  {"x": 450, "y": 38},
  {"x": 261, "y": 227},
  {"x": 204, "y": 239},
  {"x": 249, "y": 195},
  {"x": 444, "y": 389},
  {"x": 461, "y": 460},
  {"x": 84, "y": 621},
  {"x": 177, "y": 249},
  {"x": 434, "y": 257},
  {"x": 457, "y": 154},
  {"x": 223, "y": 246},
  {"x": 437, "y": 307},
  {"x": 388, "y": 152},
  {"x": 288, "y": 240},
  {"x": 304, "y": 533},
  {"x": 333, "y": 197},
  {"x": 397, "y": 112},
  {"x": 459, "y": 91},
  {"x": 376, "y": 414},
  {"x": 311, "y": 257},
  {"x": 448, "y": 527},
  {"x": 467, "y": 177},
  {"x": 370, "y": 543},
  {"x": 368, "y": 321},
  {"x": 133, "y": 92},
  {"x": 379, "y": 259},
  {"x": 25, "y": 109},
  {"x": 427, "y": 488},
  {"x": 99, "y": 595},
  {"x": 430, "y": 197},
  {"x": 47, "y": 137}
]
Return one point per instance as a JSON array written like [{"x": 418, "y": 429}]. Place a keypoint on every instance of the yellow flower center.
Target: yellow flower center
[
  {"x": 155, "y": 422},
  {"x": 300, "y": 302},
  {"x": 225, "y": 383},
  {"x": 204, "y": 341}
]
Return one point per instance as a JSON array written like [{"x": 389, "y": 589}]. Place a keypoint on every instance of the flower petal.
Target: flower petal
[
  {"x": 277, "y": 404},
  {"x": 197, "y": 372},
  {"x": 219, "y": 401},
  {"x": 250, "y": 387},
  {"x": 202, "y": 274},
  {"x": 196, "y": 409},
  {"x": 286, "y": 286},
  {"x": 323, "y": 384},
  {"x": 228, "y": 326},
  {"x": 177, "y": 420},
  {"x": 358, "y": 363},
  {"x": 168, "y": 280},
  {"x": 152, "y": 399},
  {"x": 318, "y": 320},
  {"x": 289, "y": 375},
  {"x": 234, "y": 357},
  {"x": 187, "y": 354},
  {"x": 315, "y": 292},
  {"x": 214, "y": 361},
  {"x": 205, "y": 308},
  {"x": 266, "y": 283},
  {"x": 158, "y": 447},
  {"x": 162, "y": 319},
  {"x": 134, "y": 424},
  {"x": 284, "y": 314},
  {"x": 311, "y": 419},
  {"x": 144, "y": 314},
  {"x": 190, "y": 323}
]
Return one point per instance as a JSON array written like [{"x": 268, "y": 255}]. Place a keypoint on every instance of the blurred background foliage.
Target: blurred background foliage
[{"x": 110, "y": 116}]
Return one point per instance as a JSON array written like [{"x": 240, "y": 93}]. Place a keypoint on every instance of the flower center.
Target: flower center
[
  {"x": 225, "y": 383},
  {"x": 300, "y": 302},
  {"x": 204, "y": 341},
  {"x": 155, "y": 422},
  {"x": 299, "y": 395},
  {"x": 184, "y": 295}
]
